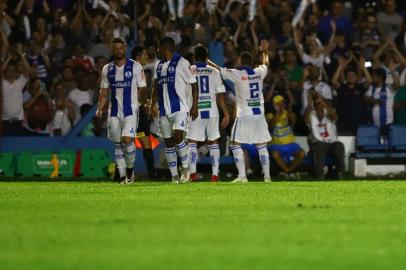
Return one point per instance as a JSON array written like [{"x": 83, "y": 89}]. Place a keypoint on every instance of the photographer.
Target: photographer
[
  {"x": 313, "y": 83},
  {"x": 321, "y": 119}
]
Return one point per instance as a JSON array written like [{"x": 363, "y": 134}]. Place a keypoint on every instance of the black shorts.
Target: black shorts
[{"x": 143, "y": 123}]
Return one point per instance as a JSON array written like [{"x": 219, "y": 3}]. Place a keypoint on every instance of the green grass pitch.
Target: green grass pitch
[{"x": 282, "y": 225}]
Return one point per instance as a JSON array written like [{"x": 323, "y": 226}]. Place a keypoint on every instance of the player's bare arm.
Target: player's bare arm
[
  {"x": 194, "y": 111},
  {"x": 103, "y": 98},
  {"x": 223, "y": 107},
  {"x": 154, "y": 99}
]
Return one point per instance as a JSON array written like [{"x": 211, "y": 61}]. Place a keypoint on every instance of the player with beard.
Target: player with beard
[{"x": 122, "y": 79}]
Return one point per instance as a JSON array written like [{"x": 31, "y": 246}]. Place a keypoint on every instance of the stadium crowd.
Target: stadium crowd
[{"x": 344, "y": 61}]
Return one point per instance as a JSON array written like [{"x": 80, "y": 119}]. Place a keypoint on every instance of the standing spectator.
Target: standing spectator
[
  {"x": 325, "y": 28},
  {"x": 369, "y": 37},
  {"x": 82, "y": 95},
  {"x": 38, "y": 109},
  {"x": 401, "y": 39},
  {"x": 102, "y": 48},
  {"x": 400, "y": 106},
  {"x": 39, "y": 60},
  {"x": 351, "y": 93},
  {"x": 12, "y": 86},
  {"x": 321, "y": 119},
  {"x": 58, "y": 51},
  {"x": 81, "y": 60},
  {"x": 64, "y": 112},
  {"x": 381, "y": 97},
  {"x": 315, "y": 84},
  {"x": 68, "y": 80},
  {"x": 283, "y": 149},
  {"x": 389, "y": 21}
]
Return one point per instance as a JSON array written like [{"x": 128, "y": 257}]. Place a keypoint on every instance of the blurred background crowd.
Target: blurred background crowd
[{"x": 52, "y": 53}]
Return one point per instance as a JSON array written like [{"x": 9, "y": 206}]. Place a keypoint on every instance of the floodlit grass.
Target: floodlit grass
[{"x": 300, "y": 225}]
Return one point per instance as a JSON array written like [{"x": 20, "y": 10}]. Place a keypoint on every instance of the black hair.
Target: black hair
[
  {"x": 246, "y": 59},
  {"x": 380, "y": 72},
  {"x": 137, "y": 51},
  {"x": 118, "y": 40},
  {"x": 85, "y": 108},
  {"x": 168, "y": 43},
  {"x": 201, "y": 53}
]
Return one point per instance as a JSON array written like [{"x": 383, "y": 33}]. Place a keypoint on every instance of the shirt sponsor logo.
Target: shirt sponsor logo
[
  {"x": 121, "y": 84},
  {"x": 128, "y": 74}
]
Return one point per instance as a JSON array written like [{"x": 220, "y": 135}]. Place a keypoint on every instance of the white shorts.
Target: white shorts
[
  {"x": 250, "y": 129},
  {"x": 118, "y": 127},
  {"x": 200, "y": 129},
  {"x": 176, "y": 121}
]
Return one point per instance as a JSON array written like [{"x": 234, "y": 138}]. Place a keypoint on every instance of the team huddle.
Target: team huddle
[{"x": 185, "y": 99}]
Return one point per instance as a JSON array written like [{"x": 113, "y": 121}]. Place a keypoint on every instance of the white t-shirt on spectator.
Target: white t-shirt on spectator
[
  {"x": 80, "y": 98},
  {"x": 322, "y": 88},
  {"x": 61, "y": 121},
  {"x": 12, "y": 96},
  {"x": 318, "y": 61}
]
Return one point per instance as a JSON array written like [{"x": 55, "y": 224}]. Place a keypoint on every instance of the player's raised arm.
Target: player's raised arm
[{"x": 103, "y": 93}]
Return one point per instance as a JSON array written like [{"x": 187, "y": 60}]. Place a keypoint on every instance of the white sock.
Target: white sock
[
  {"x": 182, "y": 154},
  {"x": 129, "y": 152},
  {"x": 120, "y": 160},
  {"x": 192, "y": 157},
  {"x": 264, "y": 159},
  {"x": 215, "y": 158},
  {"x": 172, "y": 160},
  {"x": 239, "y": 160}
]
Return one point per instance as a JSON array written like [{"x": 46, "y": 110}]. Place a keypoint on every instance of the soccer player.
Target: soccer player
[
  {"x": 206, "y": 126},
  {"x": 139, "y": 54},
  {"x": 250, "y": 126},
  {"x": 173, "y": 79},
  {"x": 123, "y": 78}
]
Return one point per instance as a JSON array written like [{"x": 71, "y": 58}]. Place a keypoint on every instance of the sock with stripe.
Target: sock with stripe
[
  {"x": 264, "y": 159},
  {"x": 120, "y": 160},
  {"x": 192, "y": 157},
  {"x": 172, "y": 160},
  {"x": 182, "y": 154},
  {"x": 239, "y": 160},
  {"x": 215, "y": 158},
  {"x": 129, "y": 153}
]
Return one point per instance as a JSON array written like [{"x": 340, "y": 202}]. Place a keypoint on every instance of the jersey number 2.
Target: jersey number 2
[
  {"x": 203, "y": 84},
  {"x": 254, "y": 90}
]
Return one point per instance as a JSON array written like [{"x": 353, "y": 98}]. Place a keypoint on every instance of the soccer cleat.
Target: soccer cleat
[
  {"x": 267, "y": 179},
  {"x": 185, "y": 177},
  {"x": 284, "y": 175},
  {"x": 214, "y": 178},
  {"x": 240, "y": 180},
  {"x": 175, "y": 179},
  {"x": 194, "y": 177},
  {"x": 130, "y": 176}
]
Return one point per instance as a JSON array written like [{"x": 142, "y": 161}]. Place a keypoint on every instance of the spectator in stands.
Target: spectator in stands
[
  {"x": 102, "y": 48},
  {"x": 316, "y": 53},
  {"x": 81, "y": 95},
  {"x": 321, "y": 119},
  {"x": 351, "y": 90},
  {"x": 313, "y": 83},
  {"x": 401, "y": 39},
  {"x": 285, "y": 152},
  {"x": 58, "y": 51},
  {"x": 68, "y": 80},
  {"x": 81, "y": 60},
  {"x": 369, "y": 37},
  {"x": 381, "y": 97},
  {"x": 38, "y": 109},
  {"x": 326, "y": 28},
  {"x": 400, "y": 106},
  {"x": 64, "y": 111},
  {"x": 39, "y": 60},
  {"x": 389, "y": 21},
  {"x": 12, "y": 87}
]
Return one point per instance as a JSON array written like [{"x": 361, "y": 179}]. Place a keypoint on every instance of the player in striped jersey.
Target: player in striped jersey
[
  {"x": 122, "y": 78},
  {"x": 250, "y": 126},
  {"x": 173, "y": 79},
  {"x": 206, "y": 126}
]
